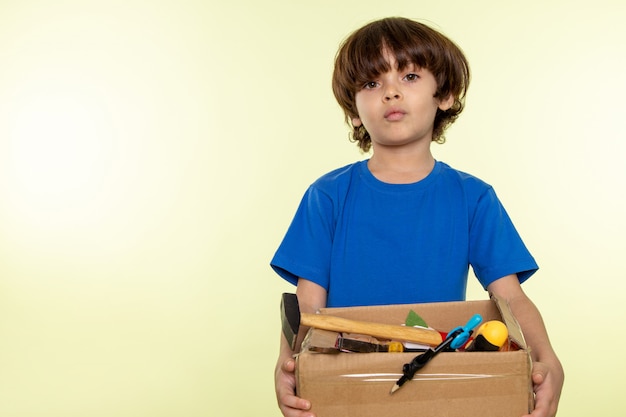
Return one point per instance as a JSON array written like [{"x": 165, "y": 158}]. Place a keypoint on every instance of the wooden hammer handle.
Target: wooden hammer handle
[{"x": 384, "y": 331}]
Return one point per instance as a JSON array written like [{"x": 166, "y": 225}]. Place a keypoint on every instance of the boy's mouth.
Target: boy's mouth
[{"x": 394, "y": 114}]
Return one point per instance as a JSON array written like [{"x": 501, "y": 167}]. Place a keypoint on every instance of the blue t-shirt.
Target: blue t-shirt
[{"x": 370, "y": 243}]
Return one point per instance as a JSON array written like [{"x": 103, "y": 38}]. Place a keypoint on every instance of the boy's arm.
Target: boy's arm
[
  {"x": 547, "y": 373},
  {"x": 311, "y": 297}
]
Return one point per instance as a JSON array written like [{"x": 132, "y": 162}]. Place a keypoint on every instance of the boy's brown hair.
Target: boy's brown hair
[{"x": 360, "y": 59}]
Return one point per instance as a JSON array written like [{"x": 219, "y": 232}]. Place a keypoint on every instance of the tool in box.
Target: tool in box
[
  {"x": 292, "y": 318},
  {"x": 456, "y": 338},
  {"x": 348, "y": 344},
  {"x": 490, "y": 337}
]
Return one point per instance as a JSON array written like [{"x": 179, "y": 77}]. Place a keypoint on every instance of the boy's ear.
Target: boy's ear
[
  {"x": 446, "y": 103},
  {"x": 356, "y": 122}
]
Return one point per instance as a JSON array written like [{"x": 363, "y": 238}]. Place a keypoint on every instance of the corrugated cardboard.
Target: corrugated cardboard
[{"x": 453, "y": 384}]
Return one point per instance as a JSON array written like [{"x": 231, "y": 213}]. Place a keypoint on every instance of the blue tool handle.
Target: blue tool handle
[
  {"x": 473, "y": 322},
  {"x": 466, "y": 331}
]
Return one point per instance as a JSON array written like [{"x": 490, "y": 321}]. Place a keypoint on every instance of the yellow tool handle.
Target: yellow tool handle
[{"x": 380, "y": 330}]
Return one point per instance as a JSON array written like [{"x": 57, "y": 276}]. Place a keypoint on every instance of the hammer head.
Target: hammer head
[{"x": 290, "y": 315}]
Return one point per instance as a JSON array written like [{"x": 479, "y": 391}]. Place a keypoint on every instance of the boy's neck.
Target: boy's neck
[{"x": 401, "y": 167}]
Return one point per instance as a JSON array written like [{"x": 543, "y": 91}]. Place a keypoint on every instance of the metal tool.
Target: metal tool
[{"x": 361, "y": 346}]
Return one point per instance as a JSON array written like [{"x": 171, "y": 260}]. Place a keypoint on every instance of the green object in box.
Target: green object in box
[{"x": 413, "y": 319}]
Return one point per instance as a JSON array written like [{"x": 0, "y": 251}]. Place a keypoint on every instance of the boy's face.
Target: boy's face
[{"x": 399, "y": 107}]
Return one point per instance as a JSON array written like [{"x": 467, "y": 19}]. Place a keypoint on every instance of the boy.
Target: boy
[{"x": 402, "y": 227}]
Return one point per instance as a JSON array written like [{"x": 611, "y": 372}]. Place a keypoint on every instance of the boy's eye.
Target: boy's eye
[
  {"x": 370, "y": 84},
  {"x": 411, "y": 77}
]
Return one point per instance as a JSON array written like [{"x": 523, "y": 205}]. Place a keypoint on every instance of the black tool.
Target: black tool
[{"x": 455, "y": 339}]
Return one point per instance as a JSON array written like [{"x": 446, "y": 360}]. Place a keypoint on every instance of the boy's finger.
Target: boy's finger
[
  {"x": 289, "y": 365},
  {"x": 291, "y": 401}
]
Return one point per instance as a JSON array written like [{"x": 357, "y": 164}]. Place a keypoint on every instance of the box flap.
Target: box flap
[{"x": 513, "y": 327}]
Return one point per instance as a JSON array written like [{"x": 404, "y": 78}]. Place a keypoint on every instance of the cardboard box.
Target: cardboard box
[{"x": 452, "y": 384}]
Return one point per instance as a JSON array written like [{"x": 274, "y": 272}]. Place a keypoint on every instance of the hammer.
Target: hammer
[{"x": 292, "y": 319}]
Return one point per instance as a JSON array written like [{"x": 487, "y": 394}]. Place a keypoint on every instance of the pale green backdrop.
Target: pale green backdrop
[{"x": 152, "y": 154}]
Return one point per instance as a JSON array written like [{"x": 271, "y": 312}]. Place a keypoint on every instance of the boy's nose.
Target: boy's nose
[{"x": 391, "y": 93}]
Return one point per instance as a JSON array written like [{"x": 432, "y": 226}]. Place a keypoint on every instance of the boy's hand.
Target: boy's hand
[
  {"x": 547, "y": 373},
  {"x": 311, "y": 297},
  {"x": 547, "y": 383},
  {"x": 290, "y": 405}
]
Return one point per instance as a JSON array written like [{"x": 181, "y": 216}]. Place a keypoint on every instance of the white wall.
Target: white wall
[{"x": 152, "y": 155}]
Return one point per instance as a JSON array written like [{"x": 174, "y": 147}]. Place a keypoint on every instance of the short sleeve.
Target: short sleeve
[
  {"x": 496, "y": 248},
  {"x": 306, "y": 248}
]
